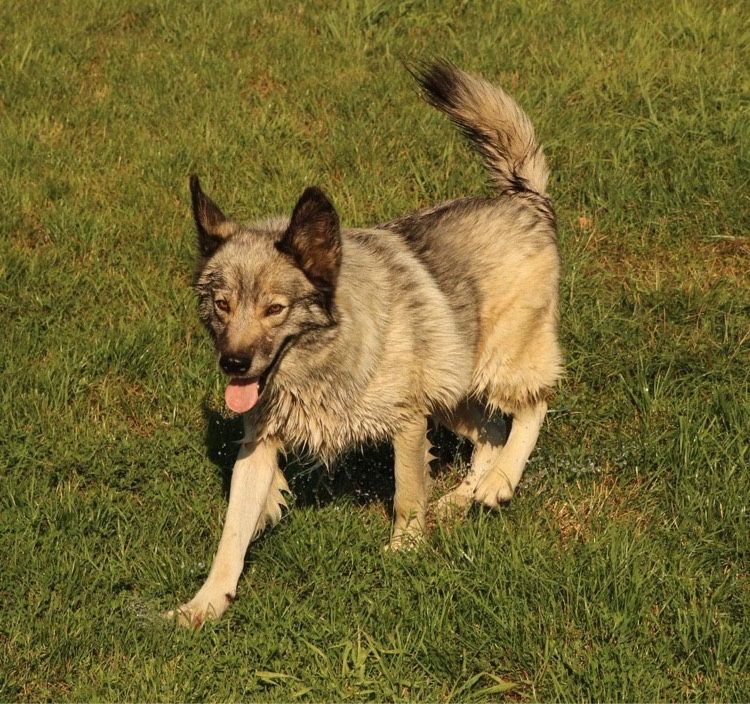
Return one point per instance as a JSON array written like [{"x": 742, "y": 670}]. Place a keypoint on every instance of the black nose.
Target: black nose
[{"x": 234, "y": 365}]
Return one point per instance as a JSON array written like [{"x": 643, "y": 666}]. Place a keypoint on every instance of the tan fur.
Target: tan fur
[{"x": 356, "y": 336}]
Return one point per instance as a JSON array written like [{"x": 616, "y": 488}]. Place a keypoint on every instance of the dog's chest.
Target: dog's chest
[{"x": 326, "y": 425}]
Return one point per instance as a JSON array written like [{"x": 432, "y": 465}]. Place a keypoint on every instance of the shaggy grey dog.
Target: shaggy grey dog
[{"x": 332, "y": 338}]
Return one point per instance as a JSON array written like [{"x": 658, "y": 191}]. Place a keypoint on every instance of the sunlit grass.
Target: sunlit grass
[{"x": 619, "y": 572}]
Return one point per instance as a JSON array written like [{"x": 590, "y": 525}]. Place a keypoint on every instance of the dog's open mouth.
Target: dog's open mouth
[{"x": 242, "y": 394}]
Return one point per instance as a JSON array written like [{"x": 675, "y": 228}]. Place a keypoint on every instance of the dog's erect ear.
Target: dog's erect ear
[
  {"x": 313, "y": 239},
  {"x": 213, "y": 226}
]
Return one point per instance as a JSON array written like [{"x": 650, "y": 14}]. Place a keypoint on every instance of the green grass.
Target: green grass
[{"x": 620, "y": 572}]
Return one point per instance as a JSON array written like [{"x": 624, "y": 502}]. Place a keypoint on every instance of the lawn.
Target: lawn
[{"x": 621, "y": 570}]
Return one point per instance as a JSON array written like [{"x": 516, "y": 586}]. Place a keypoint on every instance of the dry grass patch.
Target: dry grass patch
[
  {"x": 590, "y": 505},
  {"x": 700, "y": 262}
]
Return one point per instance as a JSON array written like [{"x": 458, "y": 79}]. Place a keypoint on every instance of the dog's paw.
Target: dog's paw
[
  {"x": 405, "y": 539},
  {"x": 199, "y": 610},
  {"x": 494, "y": 489},
  {"x": 454, "y": 505}
]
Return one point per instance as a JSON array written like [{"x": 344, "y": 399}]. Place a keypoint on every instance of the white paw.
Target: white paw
[
  {"x": 455, "y": 503},
  {"x": 199, "y": 609},
  {"x": 406, "y": 538},
  {"x": 494, "y": 488}
]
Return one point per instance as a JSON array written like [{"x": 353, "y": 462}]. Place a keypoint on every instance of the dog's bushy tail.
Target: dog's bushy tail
[{"x": 494, "y": 123}]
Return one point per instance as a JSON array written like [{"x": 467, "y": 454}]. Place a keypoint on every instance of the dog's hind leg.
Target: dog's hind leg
[
  {"x": 472, "y": 420},
  {"x": 253, "y": 477},
  {"x": 412, "y": 481},
  {"x": 499, "y": 482}
]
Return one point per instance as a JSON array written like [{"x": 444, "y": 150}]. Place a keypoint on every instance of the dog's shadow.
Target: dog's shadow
[{"x": 364, "y": 476}]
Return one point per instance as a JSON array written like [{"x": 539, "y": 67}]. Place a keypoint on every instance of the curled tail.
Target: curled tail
[{"x": 494, "y": 123}]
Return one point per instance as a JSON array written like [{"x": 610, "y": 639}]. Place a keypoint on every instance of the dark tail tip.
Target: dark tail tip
[
  {"x": 438, "y": 80},
  {"x": 195, "y": 186}
]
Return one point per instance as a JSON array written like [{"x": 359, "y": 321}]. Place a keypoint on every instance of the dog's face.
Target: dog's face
[{"x": 261, "y": 289}]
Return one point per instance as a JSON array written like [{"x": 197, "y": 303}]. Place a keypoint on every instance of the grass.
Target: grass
[{"x": 621, "y": 570}]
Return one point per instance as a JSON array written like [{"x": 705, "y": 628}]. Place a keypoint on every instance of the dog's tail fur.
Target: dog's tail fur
[{"x": 494, "y": 123}]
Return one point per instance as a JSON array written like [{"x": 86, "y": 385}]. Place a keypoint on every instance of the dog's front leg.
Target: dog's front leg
[
  {"x": 412, "y": 481},
  {"x": 252, "y": 477}
]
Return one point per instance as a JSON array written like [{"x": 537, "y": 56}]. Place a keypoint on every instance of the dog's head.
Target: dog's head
[{"x": 260, "y": 289}]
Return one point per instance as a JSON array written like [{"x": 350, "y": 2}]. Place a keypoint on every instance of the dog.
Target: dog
[{"x": 332, "y": 338}]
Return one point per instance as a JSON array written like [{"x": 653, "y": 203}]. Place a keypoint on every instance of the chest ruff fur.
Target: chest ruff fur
[{"x": 397, "y": 351}]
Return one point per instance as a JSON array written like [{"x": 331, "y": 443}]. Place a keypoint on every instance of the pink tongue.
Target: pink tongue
[{"x": 241, "y": 395}]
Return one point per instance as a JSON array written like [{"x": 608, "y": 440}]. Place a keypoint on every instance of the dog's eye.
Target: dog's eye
[
  {"x": 274, "y": 309},
  {"x": 222, "y": 305}
]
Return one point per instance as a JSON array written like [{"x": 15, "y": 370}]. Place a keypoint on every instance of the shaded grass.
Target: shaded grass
[{"x": 619, "y": 572}]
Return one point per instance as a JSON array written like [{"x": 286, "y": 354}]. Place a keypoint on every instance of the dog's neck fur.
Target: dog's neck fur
[{"x": 344, "y": 359}]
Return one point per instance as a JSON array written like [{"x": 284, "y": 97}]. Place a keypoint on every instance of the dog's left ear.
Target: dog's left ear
[{"x": 313, "y": 239}]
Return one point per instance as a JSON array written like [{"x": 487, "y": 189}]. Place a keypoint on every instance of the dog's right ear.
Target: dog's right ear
[{"x": 212, "y": 225}]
